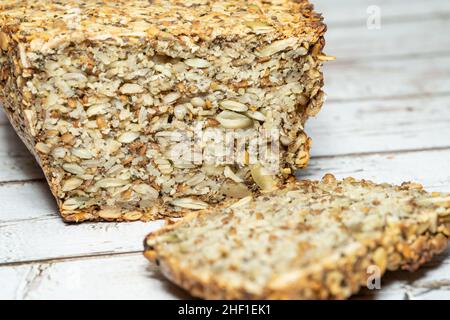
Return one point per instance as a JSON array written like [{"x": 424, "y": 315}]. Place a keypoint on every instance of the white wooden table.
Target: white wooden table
[{"x": 387, "y": 119}]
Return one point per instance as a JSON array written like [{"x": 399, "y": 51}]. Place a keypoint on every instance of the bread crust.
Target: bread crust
[
  {"x": 124, "y": 22},
  {"x": 391, "y": 251}
]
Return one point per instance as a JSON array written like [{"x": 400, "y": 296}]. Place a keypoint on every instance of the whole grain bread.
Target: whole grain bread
[
  {"x": 308, "y": 240},
  {"x": 109, "y": 96}
]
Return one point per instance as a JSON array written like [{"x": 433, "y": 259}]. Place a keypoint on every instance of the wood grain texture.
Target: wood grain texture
[
  {"x": 390, "y": 43},
  {"x": 110, "y": 277},
  {"x": 130, "y": 276},
  {"x": 353, "y": 12},
  {"x": 387, "y": 78},
  {"x": 26, "y": 201},
  {"x": 431, "y": 168},
  {"x": 381, "y": 126},
  {"x": 48, "y": 237},
  {"x": 394, "y": 40}
]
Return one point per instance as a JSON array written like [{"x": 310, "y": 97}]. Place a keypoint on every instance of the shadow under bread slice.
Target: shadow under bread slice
[{"x": 308, "y": 240}]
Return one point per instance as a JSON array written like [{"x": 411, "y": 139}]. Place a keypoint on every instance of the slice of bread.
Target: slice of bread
[{"x": 309, "y": 240}]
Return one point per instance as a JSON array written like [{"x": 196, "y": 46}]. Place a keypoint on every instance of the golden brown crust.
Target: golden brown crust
[
  {"x": 313, "y": 286},
  {"x": 49, "y": 24},
  {"x": 401, "y": 246}
]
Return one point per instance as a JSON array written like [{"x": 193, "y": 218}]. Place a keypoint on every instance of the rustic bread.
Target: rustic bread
[
  {"x": 109, "y": 97},
  {"x": 308, "y": 240}
]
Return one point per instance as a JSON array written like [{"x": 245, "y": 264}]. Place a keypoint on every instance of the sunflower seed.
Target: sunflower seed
[
  {"x": 277, "y": 46},
  {"x": 71, "y": 184},
  {"x": 109, "y": 213},
  {"x": 132, "y": 215},
  {"x": 82, "y": 153},
  {"x": 259, "y": 27},
  {"x": 42, "y": 148},
  {"x": 4, "y": 41},
  {"x": 72, "y": 204},
  {"x": 131, "y": 88},
  {"x": 233, "y": 106},
  {"x": 189, "y": 203},
  {"x": 233, "y": 120},
  {"x": 256, "y": 115},
  {"x": 128, "y": 137},
  {"x": 198, "y": 102},
  {"x": 111, "y": 182},
  {"x": 171, "y": 97},
  {"x": 197, "y": 63},
  {"x": 73, "y": 168},
  {"x": 231, "y": 175},
  {"x": 263, "y": 178},
  {"x": 241, "y": 202},
  {"x": 145, "y": 189}
]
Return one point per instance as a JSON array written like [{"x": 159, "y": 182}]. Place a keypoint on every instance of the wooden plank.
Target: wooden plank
[
  {"x": 113, "y": 277},
  {"x": 431, "y": 168},
  {"x": 131, "y": 276},
  {"x": 411, "y": 37},
  {"x": 381, "y": 125},
  {"x": 407, "y": 27},
  {"x": 430, "y": 282},
  {"x": 386, "y": 78},
  {"x": 16, "y": 162},
  {"x": 355, "y": 11},
  {"x": 19, "y": 167},
  {"x": 47, "y": 237},
  {"x": 26, "y": 201},
  {"x": 8, "y": 139}
]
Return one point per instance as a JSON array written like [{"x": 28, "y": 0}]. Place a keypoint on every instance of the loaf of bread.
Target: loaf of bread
[
  {"x": 308, "y": 240},
  {"x": 116, "y": 99}
]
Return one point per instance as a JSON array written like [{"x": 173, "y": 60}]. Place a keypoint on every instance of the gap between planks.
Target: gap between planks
[
  {"x": 71, "y": 258},
  {"x": 380, "y": 153},
  {"x": 11, "y": 182}
]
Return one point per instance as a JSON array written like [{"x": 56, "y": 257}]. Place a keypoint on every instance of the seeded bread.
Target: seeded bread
[
  {"x": 309, "y": 240},
  {"x": 100, "y": 91}
]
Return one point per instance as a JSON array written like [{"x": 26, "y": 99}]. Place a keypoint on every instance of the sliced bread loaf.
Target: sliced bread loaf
[
  {"x": 139, "y": 109},
  {"x": 308, "y": 240}
]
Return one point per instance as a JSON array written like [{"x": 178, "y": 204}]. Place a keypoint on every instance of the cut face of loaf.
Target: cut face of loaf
[
  {"x": 115, "y": 99},
  {"x": 308, "y": 240}
]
